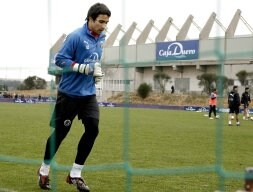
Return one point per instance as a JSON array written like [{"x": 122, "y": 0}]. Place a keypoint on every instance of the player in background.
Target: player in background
[
  {"x": 245, "y": 100},
  {"x": 79, "y": 57},
  {"x": 213, "y": 103},
  {"x": 234, "y": 105}
]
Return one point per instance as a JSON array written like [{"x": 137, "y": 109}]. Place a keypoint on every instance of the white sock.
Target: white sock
[
  {"x": 44, "y": 169},
  {"x": 76, "y": 170}
]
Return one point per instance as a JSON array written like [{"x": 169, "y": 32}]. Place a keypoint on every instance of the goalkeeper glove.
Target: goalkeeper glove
[
  {"x": 85, "y": 69},
  {"x": 98, "y": 79},
  {"x": 81, "y": 68},
  {"x": 98, "y": 74}
]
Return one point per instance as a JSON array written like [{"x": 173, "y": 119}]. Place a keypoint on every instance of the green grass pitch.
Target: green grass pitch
[{"x": 137, "y": 150}]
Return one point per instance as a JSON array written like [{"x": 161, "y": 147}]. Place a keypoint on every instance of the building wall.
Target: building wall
[
  {"x": 137, "y": 63},
  {"x": 211, "y": 49}
]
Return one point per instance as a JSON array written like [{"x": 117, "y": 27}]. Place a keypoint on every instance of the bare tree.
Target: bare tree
[
  {"x": 161, "y": 78},
  {"x": 209, "y": 81},
  {"x": 242, "y": 77}
]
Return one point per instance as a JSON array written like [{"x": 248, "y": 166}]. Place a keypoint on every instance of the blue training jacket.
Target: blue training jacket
[{"x": 83, "y": 48}]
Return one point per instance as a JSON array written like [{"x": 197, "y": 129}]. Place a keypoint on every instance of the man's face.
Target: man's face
[{"x": 99, "y": 25}]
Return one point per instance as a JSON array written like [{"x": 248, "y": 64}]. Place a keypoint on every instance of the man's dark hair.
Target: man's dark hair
[
  {"x": 98, "y": 9},
  {"x": 235, "y": 87},
  {"x": 246, "y": 88}
]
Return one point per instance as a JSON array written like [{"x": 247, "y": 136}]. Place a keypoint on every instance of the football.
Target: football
[{"x": 251, "y": 118}]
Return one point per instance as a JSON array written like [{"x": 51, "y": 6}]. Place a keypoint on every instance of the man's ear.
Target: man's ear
[{"x": 91, "y": 19}]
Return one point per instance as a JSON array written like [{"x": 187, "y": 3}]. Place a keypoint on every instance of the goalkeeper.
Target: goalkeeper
[{"x": 79, "y": 58}]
